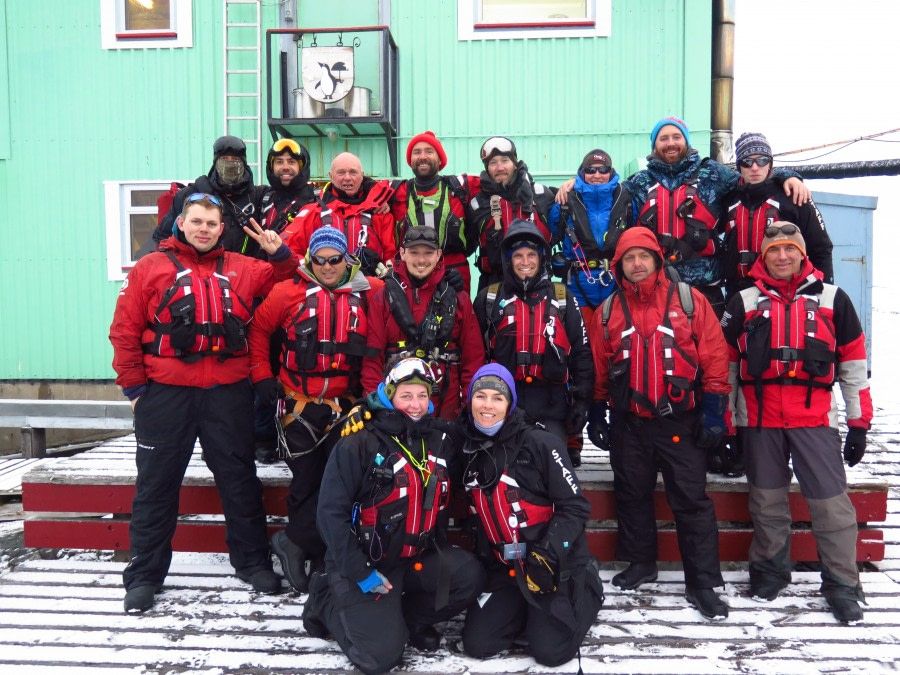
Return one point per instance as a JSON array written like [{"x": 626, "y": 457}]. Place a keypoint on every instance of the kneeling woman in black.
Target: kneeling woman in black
[{"x": 543, "y": 584}]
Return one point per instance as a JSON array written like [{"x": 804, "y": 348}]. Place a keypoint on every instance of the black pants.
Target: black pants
[
  {"x": 168, "y": 420},
  {"x": 373, "y": 629},
  {"x": 554, "y": 628},
  {"x": 307, "y": 468},
  {"x": 641, "y": 447}
]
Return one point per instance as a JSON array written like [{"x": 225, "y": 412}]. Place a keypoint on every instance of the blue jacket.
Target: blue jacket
[{"x": 598, "y": 201}]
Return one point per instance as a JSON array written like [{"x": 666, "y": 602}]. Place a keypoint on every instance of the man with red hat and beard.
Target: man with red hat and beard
[
  {"x": 432, "y": 200},
  {"x": 662, "y": 370}
]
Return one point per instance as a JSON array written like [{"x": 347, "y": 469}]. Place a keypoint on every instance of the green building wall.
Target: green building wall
[{"x": 73, "y": 115}]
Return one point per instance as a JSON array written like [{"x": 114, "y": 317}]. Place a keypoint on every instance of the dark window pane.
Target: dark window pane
[
  {"x": 147, "y": 15},
  {"x": 145, "y": 197},
  {"x": 141, "y": 227}
]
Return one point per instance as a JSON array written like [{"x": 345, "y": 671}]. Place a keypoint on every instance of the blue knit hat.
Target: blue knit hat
[
  {"x": 328, "y": 237},
  {"x": 674, "y": 121}
]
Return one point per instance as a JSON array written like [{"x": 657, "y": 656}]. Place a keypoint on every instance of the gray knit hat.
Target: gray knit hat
[{"x": 752, "y": 143}]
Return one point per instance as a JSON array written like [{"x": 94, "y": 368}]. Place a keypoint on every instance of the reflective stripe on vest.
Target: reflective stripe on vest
[
  {"x": 749, "y": 227},
  {"x": 357, "y": 228}
]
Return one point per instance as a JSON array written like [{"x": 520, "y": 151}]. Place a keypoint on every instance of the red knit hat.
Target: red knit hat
[{"x": 431, "y": 139}]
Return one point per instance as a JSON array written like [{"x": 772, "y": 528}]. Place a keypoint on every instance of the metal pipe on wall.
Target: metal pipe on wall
[{"x": 721, "y": 114}]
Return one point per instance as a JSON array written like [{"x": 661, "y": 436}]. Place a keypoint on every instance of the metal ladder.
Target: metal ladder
[{"x": 243, "y": 81}]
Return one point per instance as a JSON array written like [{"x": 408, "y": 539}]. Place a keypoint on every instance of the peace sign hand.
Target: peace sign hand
[{"x": 268, "y": 240}]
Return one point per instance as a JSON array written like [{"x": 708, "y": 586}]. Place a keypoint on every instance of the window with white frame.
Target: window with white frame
[
  {"x": 143, "y": 24},
  {"x": 131, "y": 217},
  {"x": 508, "y": 19}
]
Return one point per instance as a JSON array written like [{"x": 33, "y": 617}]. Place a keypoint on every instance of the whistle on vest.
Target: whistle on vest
[{"x": 496, "y": 211}]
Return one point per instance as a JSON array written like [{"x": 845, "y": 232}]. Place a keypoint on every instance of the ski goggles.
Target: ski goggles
[
  {"x": 332, "y": 260},
  {"x": 420, "y": 235},
  {"x": 497, "y": 145},
  {"x": 407, "y": 369},
  {"x": 775, "y": 230},
  {"x": 291, "y": 146},
  {"x": 747, "y": 162},
  {"x": 200, "y": 196},
  {"x": 602, "y": 170}
]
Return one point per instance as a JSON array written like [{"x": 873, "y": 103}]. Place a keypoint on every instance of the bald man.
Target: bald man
[{"x": 349, "y": 203}]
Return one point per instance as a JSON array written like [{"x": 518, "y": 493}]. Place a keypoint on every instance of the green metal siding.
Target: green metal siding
[
  {"x": 79, "y": 115},
  {"x": 4, "y": 87}
]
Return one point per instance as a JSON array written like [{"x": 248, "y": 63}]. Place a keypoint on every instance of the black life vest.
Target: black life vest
[
  {"x": 745, "y": 229},
  {"x": 402, "y": 523},
  {"x": 683, "y": 224},
  {"x": 432, "y": 339},
  {"x": 198, "y": 318},
  {"x": 529, "y": 340},
  {"x": 326, "y": 336},
  {"x": 659, "y": 374},
  {"x": 790, "y": 343},
  {"x": 434, "y": 211}
]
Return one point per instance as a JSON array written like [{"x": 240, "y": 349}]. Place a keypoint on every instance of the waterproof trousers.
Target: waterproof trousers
[
  {"x": 168, "y": 420},
  {"x": 546, "y": 403},
  {"x": 639, "y": 448},
  {"x": 553, "y": 626},
  {"x": 307, "y": 459},
  {"x": 372, "y": 629},
  {"x": 815, "y": 453}
]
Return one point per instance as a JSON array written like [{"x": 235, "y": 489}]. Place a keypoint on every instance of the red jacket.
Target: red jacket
[
  {"x": 769, "y": 328},
  {"x": 700, "y": 338},
  {"x": 142, "y": 293},
  {"x": 385, "y": 335},
  {"x": 287, "y": 306},
  {"x": 346, "y": 217}
]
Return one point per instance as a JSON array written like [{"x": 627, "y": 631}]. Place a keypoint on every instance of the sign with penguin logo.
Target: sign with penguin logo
[{"x": 326, "y": 72}]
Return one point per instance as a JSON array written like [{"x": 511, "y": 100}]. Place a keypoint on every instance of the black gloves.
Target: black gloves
[
  {"x": 268, "y": 390},
  {"x": 731, "y": 453},
  {"x": 598, "y": 427},
  {"x": 538, "y": 573},
  {"x": 712, "y": 419},
  {"x": 455, "y": 279},
  {"x": 577, "y": 416},
  {"x": 854, "y": 446}
]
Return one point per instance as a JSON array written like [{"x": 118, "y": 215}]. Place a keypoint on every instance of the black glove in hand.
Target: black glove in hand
[
  {"x": 538, "y": 573},
  {"x": 854, "y": 446},
  {"x": 268, "y": 390},
  {"x": 731, "y": 453},
  {"x": 455, "y": 279},
  {"x": 598, "y": 427},
  {"x": 577, "y": 417}
]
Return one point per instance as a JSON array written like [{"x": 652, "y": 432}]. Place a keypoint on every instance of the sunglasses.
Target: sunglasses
[
  {"x": 407, "y": 369},
  {"x": 747, "y": 162},
  {"x": 775, "y": 230},
  {"x": 200, "y": 196},
  {"x": 602, "y": 170},
  {"x": 421, "y": 233},
  {"x": 498, "y": 145},
  {"x": 333, "y": 260}
]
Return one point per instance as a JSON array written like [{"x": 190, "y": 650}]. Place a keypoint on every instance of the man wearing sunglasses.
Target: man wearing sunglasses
[
  {"x": 757, "y": 201},
  {"x": 357, "y": 206},
  {"x": 420, "y": 313},
  {"x": 181, "y": 356},
  {"x": 231, "y": 181},
  {"x": 321, "y": 313},
  {"x": 436, "y": 201},
  {"x": 791, "y": 337},
  {"x": 504, "y": 192}
]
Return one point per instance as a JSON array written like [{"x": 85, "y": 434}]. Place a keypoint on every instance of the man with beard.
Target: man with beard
[
  {"x": 231, "y": 181},
  {"x": 420, "y": 313},
  {"x": 506, "y": 192},
  {"x": 432, "y": 200},
  {"x": 534, "y": 328},
  {"x": 351, "y": 203}
]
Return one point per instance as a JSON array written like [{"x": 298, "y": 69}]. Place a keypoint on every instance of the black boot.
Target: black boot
[
  {"x": 766, "y": 587},
  {"x": 266, "y": 452},
  {"x": 425, "y": 638},
  {"x": 293, "y": 561},
  {"x": 140, "y": 598},
  {"x": 707, "y": 602},
  {"x": 845, "y": 610},
  {"x": 313, "y": 619},
  {"x": 263, "y": 580},
  {"x": 634, "y": 575}
]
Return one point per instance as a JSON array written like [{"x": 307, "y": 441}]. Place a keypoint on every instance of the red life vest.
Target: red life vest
[
  {"x": 504, "y": 512},
  {"x": 536, "y": 334},
  {"x": 326, "y": 336},
  {"x": 199, "y": 317},
  {"x": 356, "y": 227},
  {"x": 788, "y": 343},
  {"x": 489, "y": 254},
  {"x": 413, "y": 504},
  {"x": 683, "y": 224},
  {"x": 749, "y": 227},
  {"x": 658, "y": 374}
]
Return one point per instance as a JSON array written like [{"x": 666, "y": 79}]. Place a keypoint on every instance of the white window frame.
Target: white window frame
[
  {"x": 113, "y": 35},
  {"x": 117, "y": 206},
  {"x": 468, "y": 13}
]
